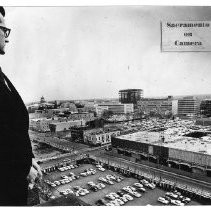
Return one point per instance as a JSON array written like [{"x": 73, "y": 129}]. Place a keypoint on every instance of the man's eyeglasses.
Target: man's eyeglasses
[{"x": 6, "y": 31}]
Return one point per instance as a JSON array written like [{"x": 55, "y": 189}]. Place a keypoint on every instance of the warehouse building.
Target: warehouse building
[{"x": 181, "y": 152}]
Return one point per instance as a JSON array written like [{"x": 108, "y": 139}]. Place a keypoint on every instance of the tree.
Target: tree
[{"x": 107, "y": 113}]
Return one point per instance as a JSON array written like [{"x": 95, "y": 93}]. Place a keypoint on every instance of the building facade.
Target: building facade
[
  {"x": 99, "y": 137},
  {"x": 186, "y": 153},
  {"x": 79, "y": 116},
  {"x": 115, "y": 108},
  {"x": 129, "y": 96},
  {"x": 188, "y": 107},
  {"x": 41, "y": 124},
  {"x": 157, "y": 105},
  {"x": 205, "y": 108},
  {"x": 64, "y": 126}
]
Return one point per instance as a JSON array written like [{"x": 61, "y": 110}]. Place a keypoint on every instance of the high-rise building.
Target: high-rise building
[
  {"x": 205, "y": 108},
  {"x": 188, "y": 107},
  {"x": 130, "y": 96}
]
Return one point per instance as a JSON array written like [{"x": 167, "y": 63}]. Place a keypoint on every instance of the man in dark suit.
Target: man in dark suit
[{"x": 18, "y": 167}]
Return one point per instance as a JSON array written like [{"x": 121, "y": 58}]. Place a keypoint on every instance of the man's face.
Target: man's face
[{"x": 3, "y": 37}]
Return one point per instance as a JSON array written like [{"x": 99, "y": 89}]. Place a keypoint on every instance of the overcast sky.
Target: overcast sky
[{"x": 93, "y": 52}]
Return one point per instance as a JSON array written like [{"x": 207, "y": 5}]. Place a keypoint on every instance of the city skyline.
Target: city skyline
[{"x": 90, "y": 52}]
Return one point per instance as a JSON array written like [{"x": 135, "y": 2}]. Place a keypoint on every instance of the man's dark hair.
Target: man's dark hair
[{"x": 2, "y": 11}]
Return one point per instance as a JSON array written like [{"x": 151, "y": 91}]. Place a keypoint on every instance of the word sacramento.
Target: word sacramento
[{"x": 187, "y": 25}]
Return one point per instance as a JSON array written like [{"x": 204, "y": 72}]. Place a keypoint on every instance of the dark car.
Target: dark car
[
  {"x": 101, "y": 202},
  {"x": 120, "y": 193},
  {"x": 77, "y": 176},
  {"x": 94, "y": 188},
  {"x": 141, "y": 189}
]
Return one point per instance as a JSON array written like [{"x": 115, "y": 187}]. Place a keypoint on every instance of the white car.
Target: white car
[
  {"x": 139, "y": 185},
  {"x": 127, "y": 189},
  {"x": 177, "y": 203},
  {"x": 101, "y": 185},
  {"x": 62, "y": 181},
  {"x": 119, "y": 201},
  {"x": 81, "y": 192},
  {"x": 150, "y": 186},
  {"x": 163, "y": 200},
  {"x": 115, "y": 203},
  {"x": 91, "y": 183},
  {"x": 57, "y": 182},
  {"x": 83, "y": 174},
  {"x": 110, "y": 204},
  {"x": 172, "y": 195},
  {"x": 144, "y": 181},
  {"x": 124, "y": 199},
  {"x": 114, "y": 194},
  {"x": 67, "y": 180},
  {"x": 111, "y": 197},
  {"x": 129, "y": 197},
  {"x": 101, "y": 169},
  {"x": 64, "y": 192},
  {"x": 110, "y": 177},
  {"x": 132, "y": 188},
  {"x": 53, "y": 185},
  {"x": 69, "y": 191},
  {"x": 136, "y": 194},
  {"x": 64, "y": 177}
]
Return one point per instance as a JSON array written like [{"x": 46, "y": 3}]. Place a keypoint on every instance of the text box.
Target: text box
[{"x": 185, "y": 36}]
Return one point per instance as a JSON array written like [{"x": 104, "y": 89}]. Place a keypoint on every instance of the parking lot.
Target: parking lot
[{"x": 149, "y": 197}]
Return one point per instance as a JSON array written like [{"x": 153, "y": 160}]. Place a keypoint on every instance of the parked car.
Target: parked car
[
  {"x": 129, "y": 197},
  {"x": 138, "y": 185},
  {"x": 101, "y": 202},
  {"x": 177, "y": 203},
  {"x": 172, "y": 195},
  {"x": 163, "y": 200},
  {"x": 120, "y": 193},
  {"x": 101, "y": 169},
  {"x": 121, "y": 202},
  {"x": 141, "y": 189}
]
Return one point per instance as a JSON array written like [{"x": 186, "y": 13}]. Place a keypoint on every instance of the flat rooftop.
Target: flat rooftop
[{"x": 172, "y": 139}]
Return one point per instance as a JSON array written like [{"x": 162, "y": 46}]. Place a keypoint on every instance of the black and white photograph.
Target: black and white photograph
[{"x": 105, "y": 105}]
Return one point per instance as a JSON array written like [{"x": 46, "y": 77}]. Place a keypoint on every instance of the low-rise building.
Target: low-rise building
[
  {"x": 41, "y": 124},
  {"x": 96, "y": 136},
  {"x": 100, "y": 137},
  {"x": 116, "y": 108},
  {"x": 176, "y": 148},
  {"x": 67, "y": 125},
  {"x": 79, "y": 116}
]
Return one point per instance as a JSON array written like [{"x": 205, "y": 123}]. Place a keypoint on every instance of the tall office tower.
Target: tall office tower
[
  {"x": 130, "y": 96},
  {"x": 205, "y": 108},
  {"x": 188, "y": 107}
]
